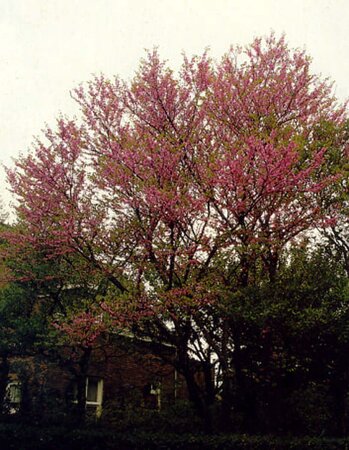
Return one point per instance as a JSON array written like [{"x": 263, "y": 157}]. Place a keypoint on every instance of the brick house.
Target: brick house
[{"x": 121, "y": 372}]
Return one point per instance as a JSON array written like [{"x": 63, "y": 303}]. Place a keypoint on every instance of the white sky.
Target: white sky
[{"x": 47, "y": 47}]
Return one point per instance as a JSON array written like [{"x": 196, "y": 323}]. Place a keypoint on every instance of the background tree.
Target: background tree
[
  {"x": 48, "y": 318},
  {"x": 294, "y": 346}
]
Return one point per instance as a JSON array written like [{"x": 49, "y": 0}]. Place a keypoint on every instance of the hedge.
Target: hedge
[{"x": 21, "y": 437}]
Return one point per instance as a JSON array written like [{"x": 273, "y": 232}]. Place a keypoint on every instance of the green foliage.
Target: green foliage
[
  {"x": 19, "y": 325},
  {"x": 293, "y": 338}
]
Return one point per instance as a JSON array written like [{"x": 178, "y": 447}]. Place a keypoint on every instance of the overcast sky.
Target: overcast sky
[{"x": 47, "y": 47}]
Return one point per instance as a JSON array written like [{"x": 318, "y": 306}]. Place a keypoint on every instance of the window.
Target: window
[
  {"x": 94, "y": 394},
  {"x": 13, "y": 396},
  {"x": 94, "y": 391},
  {"x": 152, "y": 395}
]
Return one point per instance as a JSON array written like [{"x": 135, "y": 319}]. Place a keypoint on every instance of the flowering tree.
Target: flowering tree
[{"x": 175, "y": 189}]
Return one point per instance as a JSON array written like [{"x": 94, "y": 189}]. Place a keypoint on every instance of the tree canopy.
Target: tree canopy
[{"x": 184, "y": 193}]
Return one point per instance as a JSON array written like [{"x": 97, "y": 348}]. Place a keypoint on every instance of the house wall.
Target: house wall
[{"x": 133, "y": 373}]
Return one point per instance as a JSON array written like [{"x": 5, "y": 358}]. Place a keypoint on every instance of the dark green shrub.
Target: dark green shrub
[
  {"x": 21, "y": 437},
  {"x": 178, "y": 418}
]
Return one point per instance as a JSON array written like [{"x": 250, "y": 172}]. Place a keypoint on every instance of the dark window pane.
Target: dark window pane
[{"x": 92, "y": 391}]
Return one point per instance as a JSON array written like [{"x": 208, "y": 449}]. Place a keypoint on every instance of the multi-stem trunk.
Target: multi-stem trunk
[{"x": 196, "y": 391}]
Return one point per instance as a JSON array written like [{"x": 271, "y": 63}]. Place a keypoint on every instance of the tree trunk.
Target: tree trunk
[
  {"x": 340, "y": 395},
  {"x": 80, "y": 410},
  {"x": 196, "y": 394},
  {"x": 198, "y": 399}
]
